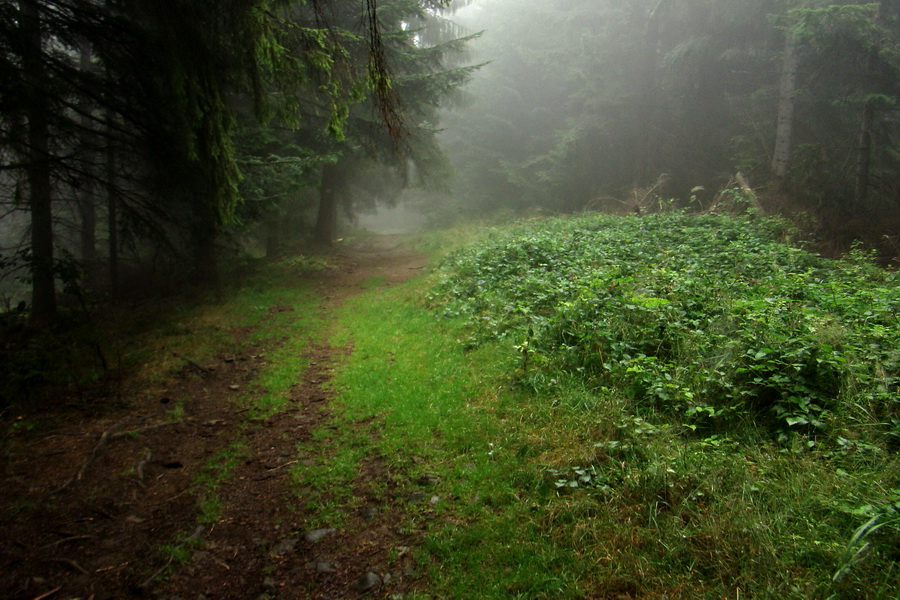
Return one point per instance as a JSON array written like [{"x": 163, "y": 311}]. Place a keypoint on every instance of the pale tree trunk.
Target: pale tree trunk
[
  {"x": 784, "y": 132},
  {"x": 867, "y": 127},
  {"x": 648, "y": 88},
  {"x": 43, "y": 299}
]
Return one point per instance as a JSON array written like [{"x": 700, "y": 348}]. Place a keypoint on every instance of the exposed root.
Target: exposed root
[
  {"x": 192, "y": 363},
  {"x": 108, "y": 436},
  {"x": 71, "y": 564},
  {"x": 66, "y": 540}
]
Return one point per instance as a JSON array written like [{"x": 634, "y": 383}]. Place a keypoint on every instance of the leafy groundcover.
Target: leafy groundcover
[{"x": 738, "y": 393}]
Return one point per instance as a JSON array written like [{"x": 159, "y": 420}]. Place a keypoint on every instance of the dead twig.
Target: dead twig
[
  {"x": 290, "y": 462},
  {"x": 140, "y": 430},
  {"x": 48, "y": 594},
  {"x": 69, "y": 563},
  {"x": 190, "y": 362},
  {"x": 65, "y": 540}
]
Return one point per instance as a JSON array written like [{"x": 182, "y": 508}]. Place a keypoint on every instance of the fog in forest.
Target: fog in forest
[
  {"x": 629, "y": 106},
  {"x": 479, "y": 299},
  {"x": 118, "y": 169}
]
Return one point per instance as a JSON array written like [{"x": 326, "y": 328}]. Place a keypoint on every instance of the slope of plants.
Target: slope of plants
[{"x": 729, "y": 402}]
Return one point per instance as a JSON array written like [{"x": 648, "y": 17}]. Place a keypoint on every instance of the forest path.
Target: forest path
[{"x": 204, "y": 505}]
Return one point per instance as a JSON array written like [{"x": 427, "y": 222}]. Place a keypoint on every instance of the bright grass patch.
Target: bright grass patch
[{"x": 707, "y": 410}]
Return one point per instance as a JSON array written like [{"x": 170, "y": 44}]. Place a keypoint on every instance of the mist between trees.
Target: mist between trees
[{"x": 145, "y": 141}]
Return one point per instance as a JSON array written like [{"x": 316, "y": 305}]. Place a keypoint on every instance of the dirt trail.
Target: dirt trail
[{"x": 88, "y": 508}]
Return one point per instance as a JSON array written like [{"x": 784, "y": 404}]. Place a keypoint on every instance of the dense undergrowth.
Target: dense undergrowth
[{"x": 722, "y": 409}]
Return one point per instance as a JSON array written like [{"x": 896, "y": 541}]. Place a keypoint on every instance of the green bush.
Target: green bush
[{"x": 710, "y": 319}]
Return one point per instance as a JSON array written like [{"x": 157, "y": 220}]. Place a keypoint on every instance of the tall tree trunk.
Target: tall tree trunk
[
  {"x": 203, "y": 230},
  {"x": 87, "y": 207},
  {"x": 648, "y": 85},
  {"x": 112, "y": 208},
  {"x": 781, "y": 156},
  {"x": 273, "y": 234},
  {"x": 867, "y": 126},
  {"x": 326, "y": 221},
  {"x": 43, "y": 298},
  {"x": 864, "y": 155}
]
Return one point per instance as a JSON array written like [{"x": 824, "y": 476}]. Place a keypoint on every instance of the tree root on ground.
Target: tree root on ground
[{"x": 108, "y": 436}]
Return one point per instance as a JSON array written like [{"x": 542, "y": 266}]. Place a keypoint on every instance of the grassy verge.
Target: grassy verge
[{"x": 636, "y": 422}]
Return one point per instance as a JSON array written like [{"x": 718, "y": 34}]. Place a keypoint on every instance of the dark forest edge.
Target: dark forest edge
[{"x": 138, "y": 140}]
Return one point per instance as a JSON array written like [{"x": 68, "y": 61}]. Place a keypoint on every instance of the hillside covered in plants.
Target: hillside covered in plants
[{"x": 730, "y": 399}]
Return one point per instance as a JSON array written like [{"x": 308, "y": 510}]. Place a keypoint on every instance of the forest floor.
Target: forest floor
[
  {"x": 181, "y": 492},
  {"x": 337, "y": 427}
]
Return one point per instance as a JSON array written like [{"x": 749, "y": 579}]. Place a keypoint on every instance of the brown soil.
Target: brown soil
[{"x": 98, "y": 508}]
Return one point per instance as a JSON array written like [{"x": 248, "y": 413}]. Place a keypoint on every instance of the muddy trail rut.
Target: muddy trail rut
[{"x": 110, "y": 506}]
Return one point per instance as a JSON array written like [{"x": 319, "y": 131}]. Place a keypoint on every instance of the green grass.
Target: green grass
[
  {"x": 666, "y": 407},
  {"x": 218, "y": 470},
  {"x": 560, "y": 477},
  {"x": 713, "y": 410}
]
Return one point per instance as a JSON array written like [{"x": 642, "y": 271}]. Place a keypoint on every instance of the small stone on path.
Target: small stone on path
[
  {"x": 284, "y": 546},
  {"x": 318, "y": 534},
  {"x": 325, "y": 567},
  {"x": 367, "y": 582}
]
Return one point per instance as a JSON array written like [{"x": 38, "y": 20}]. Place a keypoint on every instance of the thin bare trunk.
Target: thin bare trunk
[
  {"x": 87, "y": 206},
  {"x": 864, "y": 155},
  {"x": 112, "y": 208},
  {"x": 43, "y": 299},
  {"x": 648, "y": 90},
  {"x": 867, "y": 127},
  {"x": 203, "y": 239},
  {"x": 781, "y": 157},
  {"x": 326, "y": 221}
]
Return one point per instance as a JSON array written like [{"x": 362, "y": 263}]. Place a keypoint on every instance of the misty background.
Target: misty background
[{"x": 143, "y": 146}]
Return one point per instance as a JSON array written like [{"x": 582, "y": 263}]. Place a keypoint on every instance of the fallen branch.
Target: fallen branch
[
  {"x": 138, "y": 431},
  {"x": 70, "y": 563},
  {"x": 48, "y": 594},
  {"x": 66, "y": 540},
  {"x": 290, "y": 462},
  {"x": 190, "y": 362}
]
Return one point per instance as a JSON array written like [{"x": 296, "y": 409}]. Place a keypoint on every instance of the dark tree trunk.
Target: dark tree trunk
[
  {"x": 112, "y": 209},
  {"x": 87, "y": 207},
  {"x": 273, "y": 235},
  {"x": 326, "y": 221},
  {"x": 43, "y": 299},
  {"x": 203, "y": 232}
]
